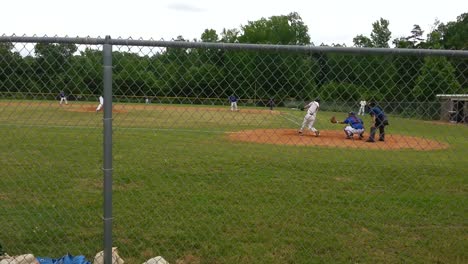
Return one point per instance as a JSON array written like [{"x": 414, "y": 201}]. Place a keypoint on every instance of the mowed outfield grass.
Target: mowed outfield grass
[{"x": 182, "y": 190}]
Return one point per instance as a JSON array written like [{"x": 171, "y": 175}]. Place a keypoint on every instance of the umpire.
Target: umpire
[{"x": 379, "y": 120}]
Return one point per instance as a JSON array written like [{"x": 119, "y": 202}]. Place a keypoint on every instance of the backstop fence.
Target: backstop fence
[{"x": 209, "y": 153}]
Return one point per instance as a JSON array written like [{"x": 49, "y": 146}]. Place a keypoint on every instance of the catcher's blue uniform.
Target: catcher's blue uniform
[{"x": 354, "y": 122}]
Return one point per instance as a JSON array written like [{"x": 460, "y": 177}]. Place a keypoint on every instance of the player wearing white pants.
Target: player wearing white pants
[
  {"x": 233, "y": 101},
  {"x": 362, "y": 107},
  {"x": 355, "y": 125},
  {"x": 101, "y": 103},
  {"x": 350, "y": 131},
  {"x": 309, "y": 118},
  {"x": 63, "y": 98}
]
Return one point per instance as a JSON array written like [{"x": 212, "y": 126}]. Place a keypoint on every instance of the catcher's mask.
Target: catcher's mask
[{"x": 351, "y": 113}]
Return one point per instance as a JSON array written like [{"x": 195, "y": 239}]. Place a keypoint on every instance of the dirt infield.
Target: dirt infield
[
  {"x": 333, "y": 138},
  {"x": 85, "y": 108}
]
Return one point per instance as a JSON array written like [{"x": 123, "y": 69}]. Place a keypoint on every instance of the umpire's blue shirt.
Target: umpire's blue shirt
[{"x": 378, "y": 113}]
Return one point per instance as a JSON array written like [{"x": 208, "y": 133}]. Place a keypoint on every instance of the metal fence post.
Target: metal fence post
[{"x": 107, "y": 121}]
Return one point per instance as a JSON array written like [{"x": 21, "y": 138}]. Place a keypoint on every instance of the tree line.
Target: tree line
[{"x": 215, "y": 73}]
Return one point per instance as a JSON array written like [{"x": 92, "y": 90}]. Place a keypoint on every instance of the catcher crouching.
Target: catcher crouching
[{"x": 355, "y": 125}]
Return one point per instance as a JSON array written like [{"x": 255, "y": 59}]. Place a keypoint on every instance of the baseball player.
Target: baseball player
[
  {"x": 63, "y": 97},
  {"x": 355, "y": 125},
  {"x": 101, "y": 103},
  {"x": 309, "y": 118},
  {"x": 362, "y": 107},
  {"x": 233, "y": 101},
  {"x": 379, "y": 121},
  {"x": 271, "y": 103}
]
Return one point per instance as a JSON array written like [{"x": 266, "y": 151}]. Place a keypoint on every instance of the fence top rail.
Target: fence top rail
[{"x": 235, "y": 46}]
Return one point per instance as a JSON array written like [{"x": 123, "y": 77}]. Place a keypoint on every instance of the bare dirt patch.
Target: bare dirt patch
[
  {"x": 86, "y": 108},
  {"x": 333, "y": 138}
]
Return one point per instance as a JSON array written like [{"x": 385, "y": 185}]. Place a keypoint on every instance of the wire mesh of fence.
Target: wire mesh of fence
[{"x": 226, "y": 153}]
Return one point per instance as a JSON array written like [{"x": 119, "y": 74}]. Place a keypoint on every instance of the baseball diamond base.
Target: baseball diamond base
[{"x": 333, "y": 138}]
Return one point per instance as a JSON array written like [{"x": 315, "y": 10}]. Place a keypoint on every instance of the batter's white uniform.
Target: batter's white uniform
[
  {"x": 101, "y": 103},
  {"x": 309, "y": 118},
  {"x": 362, "y": 108}
]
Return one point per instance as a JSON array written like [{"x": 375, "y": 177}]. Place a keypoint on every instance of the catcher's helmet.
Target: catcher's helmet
[{"x": 351, "y": 113}]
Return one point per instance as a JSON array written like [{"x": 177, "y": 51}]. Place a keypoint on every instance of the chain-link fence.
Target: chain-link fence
[{"x": 225, "y": 153}]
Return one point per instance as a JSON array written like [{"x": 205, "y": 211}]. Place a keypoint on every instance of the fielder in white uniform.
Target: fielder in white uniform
[
  {"x": 309, "y": 118},
  {"x": 362, "y": 107},
  {"x": 101, "y": 103}
]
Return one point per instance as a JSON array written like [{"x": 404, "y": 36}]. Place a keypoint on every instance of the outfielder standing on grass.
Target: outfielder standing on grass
[
  {"x": 355, "y": 125},
  {"x": 271, "y": 103},
  {"x": 63, "y": 97},
  {"x": 362, "y": 107},
  {"x": 309, "y": 118}
]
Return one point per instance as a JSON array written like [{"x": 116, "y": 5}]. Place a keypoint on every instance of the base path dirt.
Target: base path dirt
[{"x": 333, "y": 138}]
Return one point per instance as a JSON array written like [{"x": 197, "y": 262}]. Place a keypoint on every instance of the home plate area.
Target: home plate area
[{"x": 333, "y": 138}]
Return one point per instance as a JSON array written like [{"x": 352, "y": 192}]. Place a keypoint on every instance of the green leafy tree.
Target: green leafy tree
[
  {"x": 408, "y": 67},
  {"x": 286, "y": 30},
  {"x": 209, "y": 35},
  {"x": 434, "y": 38},
  {"x": 437, "y": 77},
  {"x": 88, "y": 73},
  {"x": 212, "y": 56},
  {"x": 412, "y": 41},
  {"x": 380, "y": 36},
  {"x": 15, "y": 72},
  {"x": 7, "y": 66},
  {"x": 362, "y": 41},
  {"x": 52, "y": 63},
  {"x": 416, "y": 35},
  {"x": 230, "y": 35},
  {"x": 455, "y": 34}
]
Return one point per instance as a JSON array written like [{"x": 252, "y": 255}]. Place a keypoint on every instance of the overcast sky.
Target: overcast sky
[{"x": 329, "y": 21}]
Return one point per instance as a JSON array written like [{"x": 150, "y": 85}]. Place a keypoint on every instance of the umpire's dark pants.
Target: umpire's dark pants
[{"x": 379, "y": 124}]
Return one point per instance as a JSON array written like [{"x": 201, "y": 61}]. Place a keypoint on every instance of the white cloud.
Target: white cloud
[{"x": 184, "y": 7}]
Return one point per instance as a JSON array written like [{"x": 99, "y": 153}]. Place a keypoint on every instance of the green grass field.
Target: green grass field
[{"x": 182, "y": 190}]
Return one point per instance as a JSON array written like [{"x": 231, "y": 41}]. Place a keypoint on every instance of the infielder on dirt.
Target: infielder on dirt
[
  {"x": 233, "y": 101},
  {"x": 309, "y": 119},
  {"x": 355, "y": 125},
  {"x": 63, "y": 97},
  {"x": 101, "y": 103}
]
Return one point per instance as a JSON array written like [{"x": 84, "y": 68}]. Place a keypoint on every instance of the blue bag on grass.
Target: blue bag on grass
[{"x": 67, "y": 259}]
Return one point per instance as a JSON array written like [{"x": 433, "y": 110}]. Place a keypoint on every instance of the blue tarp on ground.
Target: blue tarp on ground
[{"x": 67, "y": 259}]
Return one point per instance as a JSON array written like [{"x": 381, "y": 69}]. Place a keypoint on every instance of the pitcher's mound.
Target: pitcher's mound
[
  {"x": 333, "y": 138},
  {"x": 92, "y": 108}
]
